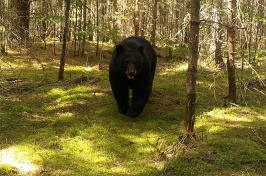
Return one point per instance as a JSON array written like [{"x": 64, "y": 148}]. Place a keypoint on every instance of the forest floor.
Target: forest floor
[{"x": 73, "y": 127}]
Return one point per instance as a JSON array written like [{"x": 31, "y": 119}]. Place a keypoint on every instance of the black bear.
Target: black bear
[{"x": 133, "y": 67}]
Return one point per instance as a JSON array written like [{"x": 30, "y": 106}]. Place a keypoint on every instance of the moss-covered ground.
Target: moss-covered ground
[{"x": 73, "y": 127}]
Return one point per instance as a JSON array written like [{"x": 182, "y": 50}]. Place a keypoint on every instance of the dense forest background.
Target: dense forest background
[
  {"x": 57, "y": 112},
  {"x": 164, "y": 23}
]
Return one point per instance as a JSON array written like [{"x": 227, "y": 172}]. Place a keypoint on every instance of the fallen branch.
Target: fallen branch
[
  {"x": 255, "y": 72},
  {"x": 257, "y": 135}
]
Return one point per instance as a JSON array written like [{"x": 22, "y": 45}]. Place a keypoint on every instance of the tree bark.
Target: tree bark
[
  {"x": 75, "y": 28},
  {"x": 251, "y": 21},
  {"x": 192, "y": 66},
  {"x": 154, "y": 18},
  {"x": 84, "y": 27},
  {"x": 63, "y": 55},
  {"x": 259, "y": 29},
  {"x": 22, "y": 23},
  {"x": 231, "y": 51},
  {"x": 97, "y": 25},
  {"x": 136, "y": 18},
  {"x": 218, "y": 56}
]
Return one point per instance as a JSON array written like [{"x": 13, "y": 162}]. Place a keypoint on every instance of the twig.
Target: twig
[
  {"x": 165, "y": 168},
  {"x": 256, "y": 134},
  {"x": 173, "y": 150},
  {"x": 222, "y": 24},
  {"x": 254, "y": 71},
  {"x": 259, "y": 91}
]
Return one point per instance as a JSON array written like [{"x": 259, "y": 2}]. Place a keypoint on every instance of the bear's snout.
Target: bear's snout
[
  {"x": 131, "y": 75},
  {"x": 131, "y": 71}
]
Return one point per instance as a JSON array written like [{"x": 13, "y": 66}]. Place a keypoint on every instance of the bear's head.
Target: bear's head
[{"x": 129, "y": 60}]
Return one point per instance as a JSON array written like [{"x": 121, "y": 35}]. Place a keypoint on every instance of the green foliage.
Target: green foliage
[
  {"x": 48, "y": 18},
  {"x": 261, "y": 54}
]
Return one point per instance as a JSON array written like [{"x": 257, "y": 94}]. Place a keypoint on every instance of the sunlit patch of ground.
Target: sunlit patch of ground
[{"x": 18, "y": 159}]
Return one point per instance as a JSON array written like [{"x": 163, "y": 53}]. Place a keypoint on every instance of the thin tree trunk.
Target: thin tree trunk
[
  {"x": 192, "y": 66},
  {"x": 218, "y": 51},
  {"x": 259, "y": 29},
  {"x": 143, "y": 27},
  {"x": 84, "y": 27},
  {"x": 75, "y": 29},
  {"x": 63, "y": 55},
  {"x": 231, "y": 51},
  {"x": 79, "y": 30},
  {"x": 116, "y": 23},
  {"x": 23, "y": 23},
  {"x": 250, "y": 29},
  {"x": 97, "y": 25},
  {"x": 218, "y": 38},
  {"x": 136, "y": 18},
  {"x": 44, "y": 23},
  {"x": 154, "y": 17},
  {"x": 91, "y": 18}
]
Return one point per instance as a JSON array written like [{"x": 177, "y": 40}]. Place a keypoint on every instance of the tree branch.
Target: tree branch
[{"x": 222, "y": 24}]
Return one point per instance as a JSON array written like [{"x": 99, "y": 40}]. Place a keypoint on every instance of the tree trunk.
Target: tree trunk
[
  {"x": 231, "y": 51},
  {"x": 143, "y": 28},
  {"x": 97, "y": 25},
  {"x": 44, "y": 23},
  {"x": 84, "y": 27},
  {"x": 63, "y": 55},
  {"x": 218, "y": 51},
  {"x": 218, "y": 56},
  {"x": 116, "y": 23},
  {"x": 192, "y": 66},
  {"x": 22, "y": 24},
  {"x": 259, "y": 29},
  {"x": 136, "y": 18},
  {"x": 154, "y": 17},
  {"x": 251, "y": 21},
  {"x": 75, "y": 28}
]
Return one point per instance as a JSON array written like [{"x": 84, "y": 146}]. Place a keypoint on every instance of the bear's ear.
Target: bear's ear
[
  {"x": 141, "y": 49},
  {"x": 119, "y": 49}
]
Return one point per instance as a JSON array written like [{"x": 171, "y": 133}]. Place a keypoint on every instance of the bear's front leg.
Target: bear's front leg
[
  {"x": 121, "y": 96},
  {"x": 121, "y": 93},
  {"x": 139, "y": 100}
]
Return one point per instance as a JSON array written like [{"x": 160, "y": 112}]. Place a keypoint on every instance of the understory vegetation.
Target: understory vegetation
[{"x": 73, "y": 127}]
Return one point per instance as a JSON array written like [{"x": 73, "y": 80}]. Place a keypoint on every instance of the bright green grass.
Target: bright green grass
[{"x": 74, "y": 128}]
